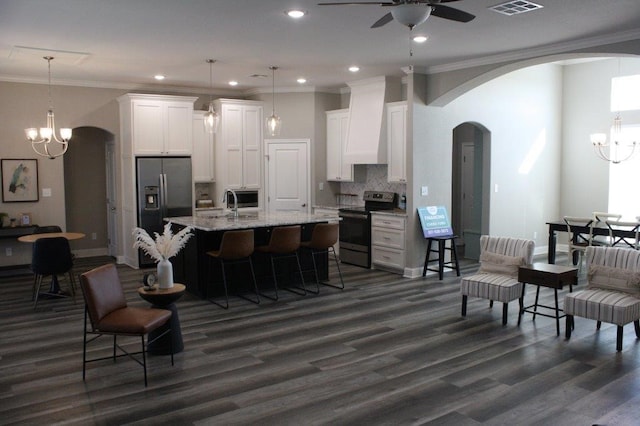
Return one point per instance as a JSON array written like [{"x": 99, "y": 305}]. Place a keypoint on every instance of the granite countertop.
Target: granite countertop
[{"x": 226, "y": 222}]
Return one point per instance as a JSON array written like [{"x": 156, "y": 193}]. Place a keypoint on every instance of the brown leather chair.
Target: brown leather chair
[
  {"x": 106, "y": 308},
  {"x": 323, "y": 237},
  {"x": 283, "y": 243},
  {"x": 235, "y": 247}
]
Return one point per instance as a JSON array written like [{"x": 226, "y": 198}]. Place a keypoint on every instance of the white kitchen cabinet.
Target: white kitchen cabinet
[
  {"x": 203, "y": 150},
  {"x": 238, "y": 145},
  {"x": 158, "y": 125},
  {"x": 337, "y": 169},
  {"x": 397, "y": 141},
  {"x": 149, "y": 125},
  {"x": 388, "y": 241}
]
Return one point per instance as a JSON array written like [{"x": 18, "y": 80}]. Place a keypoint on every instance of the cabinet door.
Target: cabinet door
[
  {"x": 203, "y": 152},
  {"x": 148, "y": 129},
  {"x": 397, "y": 142},
  {"x": 232, "y": 139},
  {"x": 179, "y": 134},
  {"x": 337, "y": 125},
  {"x": 252, "y": 147}
]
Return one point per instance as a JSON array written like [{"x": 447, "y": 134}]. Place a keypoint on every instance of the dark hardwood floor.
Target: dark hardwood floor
[{"x": 386, "y": 350}]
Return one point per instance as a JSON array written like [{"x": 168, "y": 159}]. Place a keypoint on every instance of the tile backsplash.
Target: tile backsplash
[{"x": 375, "y": 180}]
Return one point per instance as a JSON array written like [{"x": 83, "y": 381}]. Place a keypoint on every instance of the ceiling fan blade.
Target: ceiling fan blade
[
  {"x": 378, "y": 3},
  {"x": 451, "y": 13},
  {"x": 383, "y": 21}
]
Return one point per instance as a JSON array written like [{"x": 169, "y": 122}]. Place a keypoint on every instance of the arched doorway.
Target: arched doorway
[
  {"x": 89, "y": 189},
  {"x": 470, "y": 186}
]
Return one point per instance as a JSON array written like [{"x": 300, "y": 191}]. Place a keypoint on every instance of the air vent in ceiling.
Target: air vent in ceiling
[{"x": 515, "y": 7}]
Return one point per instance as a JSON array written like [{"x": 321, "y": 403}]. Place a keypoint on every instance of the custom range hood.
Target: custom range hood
[{"x": 366, "y": 132}]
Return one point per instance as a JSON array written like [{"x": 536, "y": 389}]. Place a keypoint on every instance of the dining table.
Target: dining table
[
  {"x": 54, "y": 288},
  {"x": 599, "y": 229}
]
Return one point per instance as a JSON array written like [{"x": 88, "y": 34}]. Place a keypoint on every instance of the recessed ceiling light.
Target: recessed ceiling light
[
  {"x": 420, "y": 38},
  {"x": 295, "y": 13},
  {"x": 233, "y": 83},
  {"x": 159, "y": 77},
  {"x": 302, "y": 80},
  {"x": 354, "y": 68}
]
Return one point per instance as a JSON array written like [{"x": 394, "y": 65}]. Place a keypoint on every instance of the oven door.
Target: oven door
[{"x": 355, "y": 239}]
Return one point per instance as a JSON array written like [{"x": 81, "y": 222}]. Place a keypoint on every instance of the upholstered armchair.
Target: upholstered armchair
[
  {"x": 497, "y": 277},
  {"x": 613, "y": 290}
]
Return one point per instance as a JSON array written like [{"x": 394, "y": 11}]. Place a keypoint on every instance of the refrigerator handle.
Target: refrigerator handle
[{"x": 163, "y": 195}]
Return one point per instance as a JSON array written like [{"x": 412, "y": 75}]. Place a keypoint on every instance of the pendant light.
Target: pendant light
[
  {"x": 211, "y": 117},
  {"x": 274, "y": 123},
  {"x": 48, "y": 134}
]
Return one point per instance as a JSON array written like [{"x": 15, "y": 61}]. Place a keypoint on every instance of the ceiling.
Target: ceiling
[{"x": 124, "y": 43}]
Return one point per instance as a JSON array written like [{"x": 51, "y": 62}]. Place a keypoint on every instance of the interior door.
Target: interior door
[
  {"x": 467, "y": 181},
  {"x": 287, "y": 176}
]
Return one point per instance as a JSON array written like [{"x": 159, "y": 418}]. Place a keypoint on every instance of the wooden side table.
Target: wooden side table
[
  {"x": 165, "y": 298},
  {"x": 546, "y": 275}
]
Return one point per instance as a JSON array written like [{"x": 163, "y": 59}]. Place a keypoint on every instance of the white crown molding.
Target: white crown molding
[
  {"x": 538, "y": 51},
  {"x": 291, "y": 89}
]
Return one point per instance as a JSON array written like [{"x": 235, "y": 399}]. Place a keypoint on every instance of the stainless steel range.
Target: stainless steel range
[{"x": 355, "y": 227}]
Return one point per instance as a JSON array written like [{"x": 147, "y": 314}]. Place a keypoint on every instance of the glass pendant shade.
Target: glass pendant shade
[
  {"x": 211, "y": 119},
  {"x": 273, "y": 125}
]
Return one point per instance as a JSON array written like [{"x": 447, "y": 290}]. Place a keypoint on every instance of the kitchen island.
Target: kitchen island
[{"x": 203, "y": 277}]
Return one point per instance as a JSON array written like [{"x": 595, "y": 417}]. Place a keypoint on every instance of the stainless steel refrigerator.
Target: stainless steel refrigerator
[{"x": 164, "y": 187}]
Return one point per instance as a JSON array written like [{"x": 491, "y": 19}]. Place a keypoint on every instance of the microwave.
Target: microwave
[{"x": 245, "y": 199}]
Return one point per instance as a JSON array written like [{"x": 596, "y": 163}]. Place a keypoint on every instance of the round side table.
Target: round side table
[{"x": 165, "y": 298}]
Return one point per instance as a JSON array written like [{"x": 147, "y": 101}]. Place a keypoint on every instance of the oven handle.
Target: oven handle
[{"x": 353, "y": 215}]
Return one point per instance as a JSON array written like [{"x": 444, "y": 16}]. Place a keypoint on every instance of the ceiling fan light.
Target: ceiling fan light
[{"x": 411, "y": 14}]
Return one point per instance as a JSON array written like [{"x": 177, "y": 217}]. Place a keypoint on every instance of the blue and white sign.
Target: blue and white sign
[{"x": 435, "y": 221}]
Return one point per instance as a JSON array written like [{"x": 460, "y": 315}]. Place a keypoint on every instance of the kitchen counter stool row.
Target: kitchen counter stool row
[{"x": 282, "y": 250}]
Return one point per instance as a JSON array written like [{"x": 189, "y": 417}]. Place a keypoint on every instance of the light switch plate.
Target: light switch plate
[{"x": 425, "y": 191}]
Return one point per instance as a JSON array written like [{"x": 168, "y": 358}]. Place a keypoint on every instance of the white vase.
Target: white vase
[{"x": 165, "y": 274}]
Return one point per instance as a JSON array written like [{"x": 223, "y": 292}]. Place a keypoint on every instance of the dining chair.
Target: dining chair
[
  {"x": 108, "y": 314},
  {"x": 51, "y": 257},
  {"x": 599, "y": 220},
  {"x": 621, "y": 240},
  {"x": 577, "y": 242}
]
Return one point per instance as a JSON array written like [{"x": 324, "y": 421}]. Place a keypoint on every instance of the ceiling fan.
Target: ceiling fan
[{"x": 413, "y": 12}]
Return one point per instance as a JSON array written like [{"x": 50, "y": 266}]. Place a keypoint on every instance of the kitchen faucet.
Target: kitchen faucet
[{"x": 235, "y": 200}]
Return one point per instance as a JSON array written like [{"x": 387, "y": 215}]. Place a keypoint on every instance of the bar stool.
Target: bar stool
[
  {"x": 284, "y": 242},
  {"x": 236, "y": 247},
  {"x": 323, "y": 238},
  {"x": 442, "y": 247}
]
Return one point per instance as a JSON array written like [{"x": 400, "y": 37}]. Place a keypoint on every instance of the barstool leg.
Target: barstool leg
[
  {"x": 455, "y": 255},
  {"x": 315, "y": 271},
  {"x": 255, "y": 285},
  {"x": 226, "y": 293},
  {"x": 426, "y": 258},
  {"x": 440, "y": 258}
]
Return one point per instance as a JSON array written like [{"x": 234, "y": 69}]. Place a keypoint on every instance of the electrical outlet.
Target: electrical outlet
[
  {"x": 535, "y": 235},
  {"x": 94, "y": 236},
  {"x": 424, "y": 191},
  {"x": 9, "y": 251},
  {"x": 321, "y": 186}
]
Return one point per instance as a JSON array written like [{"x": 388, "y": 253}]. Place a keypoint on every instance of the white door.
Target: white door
[
  {"x": 112, "y": 213},
  {"x": 287, "y": 180}
]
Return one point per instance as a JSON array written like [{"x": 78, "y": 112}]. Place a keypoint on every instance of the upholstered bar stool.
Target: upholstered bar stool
[
  {"x": 323, "y": 237},
  {"x": 283, "y": 243},
  {"x": 236, "y": 247}
]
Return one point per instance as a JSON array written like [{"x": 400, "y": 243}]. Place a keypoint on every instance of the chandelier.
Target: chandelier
[
  {"x": 273, "y": 122},
  {"x": 48, "y": 134},
  {"x": 211, "y": 117},
  {"x": 614, "y": 151}
]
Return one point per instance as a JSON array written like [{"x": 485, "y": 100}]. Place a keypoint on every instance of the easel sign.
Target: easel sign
[{"x": 435, "y": 221}]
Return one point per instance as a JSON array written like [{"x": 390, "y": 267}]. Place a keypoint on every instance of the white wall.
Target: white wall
[
  {"x": 522, "y": 110},
  {"x": 587, "y": 109}
]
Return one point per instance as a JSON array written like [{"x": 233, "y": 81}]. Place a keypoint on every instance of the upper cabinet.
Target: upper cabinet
[
  {"x": 397, "y": 141},
  {"x": 337, "y": 168},
  {"x": 203, "y": 150},
  {"x": 238, "y": 147},
  {"x": 157, "y": 124}
]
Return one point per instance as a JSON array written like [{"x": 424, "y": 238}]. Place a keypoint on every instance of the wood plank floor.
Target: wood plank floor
[{"x": 386, "y": 350}]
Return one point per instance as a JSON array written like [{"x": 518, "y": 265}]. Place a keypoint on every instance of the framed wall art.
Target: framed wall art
[{"x": 19, "y": 180}]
